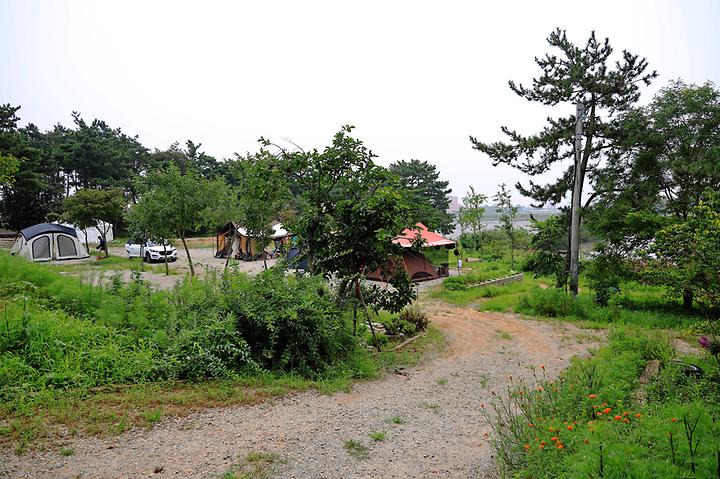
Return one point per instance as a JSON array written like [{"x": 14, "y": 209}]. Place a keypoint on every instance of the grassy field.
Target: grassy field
[
  {"x": 597, "y": 420},
  {"x": 79, "y": 359}
]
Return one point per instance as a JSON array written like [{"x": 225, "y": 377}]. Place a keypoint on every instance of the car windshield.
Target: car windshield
[{"x": 152, "y": 243}]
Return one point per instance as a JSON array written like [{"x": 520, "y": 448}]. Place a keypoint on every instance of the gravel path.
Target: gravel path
[{"x": 439, "y": 402}]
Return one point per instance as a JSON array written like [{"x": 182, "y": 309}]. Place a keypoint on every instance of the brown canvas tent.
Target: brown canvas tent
[
  {"x": 234, "y": 240},
  {"x": 417, "y": 266}
]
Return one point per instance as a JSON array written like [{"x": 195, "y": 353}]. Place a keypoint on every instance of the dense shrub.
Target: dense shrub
[
  {"x": 290, "y": 323},
  {"x": 415, "y": 316}
]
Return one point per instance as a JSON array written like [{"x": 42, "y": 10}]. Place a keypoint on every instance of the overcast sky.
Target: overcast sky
[{"x": 415, "y": 78}]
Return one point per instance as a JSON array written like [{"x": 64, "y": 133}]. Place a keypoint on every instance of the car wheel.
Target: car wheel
[{"x": 147, "y": 258}]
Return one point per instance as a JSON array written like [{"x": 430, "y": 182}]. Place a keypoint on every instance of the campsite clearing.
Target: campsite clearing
[{"x": 430, "y": 412}]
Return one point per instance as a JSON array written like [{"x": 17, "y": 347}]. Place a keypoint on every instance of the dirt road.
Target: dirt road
[{"x": 441, "y": 434}]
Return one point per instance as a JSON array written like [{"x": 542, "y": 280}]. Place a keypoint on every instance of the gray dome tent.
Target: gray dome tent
[{"x": 48, "y": 241}]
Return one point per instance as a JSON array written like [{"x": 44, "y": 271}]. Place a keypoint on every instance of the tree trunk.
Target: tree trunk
[
  {"x": 581, "y": 162},
  {"x": 105, "y": 246},
  {"x": 87, "y": 246},
  {"x": 687, "y": 299},
  {"x": 358, "y": 293},
  {"x": 187, "y": 252},
  {"x": 167, "y": 268}
]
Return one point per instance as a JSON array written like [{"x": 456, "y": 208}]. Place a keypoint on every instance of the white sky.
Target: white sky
[{"x": 415, "y": 78}]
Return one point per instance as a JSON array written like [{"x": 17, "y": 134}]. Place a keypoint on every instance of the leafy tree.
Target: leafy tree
[
  {"x": 670, "y": 154},
  {"x": 507, "y": 214},
  {"x": 264, "y": 195},
  {"x": 686, "y": 256},
  {"x": 35, "y": 190},
  {"x": 189, "y": 158},
  {"x": 353, "y": 210},
  {"x": 471, "y": 213},
  {"x": 428, "y": 194},
  {"x": 9, "y": 166},
  {"x": 546, "y": 258},
  {"x": 586, "y": 77},
  {"x": 98, "y": 208},
  {"x": 94, "y": 155},
  {"x": 179, "y": 204}
]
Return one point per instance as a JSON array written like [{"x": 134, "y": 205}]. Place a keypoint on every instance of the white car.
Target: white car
[{"x": 150, "y": 251}]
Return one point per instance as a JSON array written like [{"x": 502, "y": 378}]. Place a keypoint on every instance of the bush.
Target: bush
[
  {"x": 415, "y": 316},
  {"x": 396, "y": 326},
  {"x": 213, "y": 350},
  {"x": 291, "y": 323}
]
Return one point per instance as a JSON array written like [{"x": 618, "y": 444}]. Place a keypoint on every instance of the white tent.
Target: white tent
[
  {"x": 48, "y": 241},
  {"x": 93, "y": 233}
]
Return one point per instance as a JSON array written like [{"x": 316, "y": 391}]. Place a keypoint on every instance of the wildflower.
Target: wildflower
[
  {"x": 704, "y": 342},
  {"x": 626, "y": 413},
  {"x": 570, "y": 428},
  {"x": 617, "y": 418},
  {"x": 638, "y": 415},
  {"x": 554, "y": 438},
  {"x": 592, "y": 396},
  {"x": 626, "y": 420},
  {"x": 540, "y": 388},
  {"x": 526, "y": 446},
  {"x": 560, "y": 445},
  {"x": 542, "y": 366},
  {"x": 607, "y": 410},
  {"x": 543, "y": 444},
  {"x": 599, "y": 413},
  {"x": 673, "y": 420}
]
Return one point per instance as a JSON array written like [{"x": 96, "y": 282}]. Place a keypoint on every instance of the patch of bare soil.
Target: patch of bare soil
[{"x": 440, "y": 431}]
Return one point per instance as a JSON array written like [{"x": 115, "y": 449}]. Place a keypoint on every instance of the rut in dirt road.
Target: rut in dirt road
[{"x": 441, "y": 432}]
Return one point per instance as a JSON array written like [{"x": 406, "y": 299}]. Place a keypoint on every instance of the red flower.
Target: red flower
[
  {"x": 607, "y": 410},
  {"x": 617, "y": 418},
  {"x": 592, "y": 396}
]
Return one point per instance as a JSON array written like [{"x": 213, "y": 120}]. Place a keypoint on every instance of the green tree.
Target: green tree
[
  {"x": 428, "y": 194},
  {"x": 264, "y": 195},
  {"x": 583, "y": 76},
  {"x": 507, "y": 214},
  {"x": 686, "y": 256},
  {"x": 353, "y": 210},
  {"x": 472, "y": 212},
  {"x": 670, "y": 154},
  {"x": 547, "y": 258},
  {"x": 9, "y": 166},
  {"x": 36, "y": 189},
  {"x": 94, "y": 208},
  {"x": 180, "y": 204}
]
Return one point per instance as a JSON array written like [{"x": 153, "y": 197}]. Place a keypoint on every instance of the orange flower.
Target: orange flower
[
  {"x": 526, "y": 446},
  {"x": 599, "y": 413},
  {"x": 560, "y": 445},
  {"x": 592, "y": 396},
  {"x": 638, "y": 415},
  {"x": 531, "y": 424},
  {"x": 607, "y": 410},
  {"x": 540, "y": 388},
  {"x": 673, "y": 420},
  {"x": 626, "y": 413},
  {"x": 617, "y": 418},
  {"x": 542, "y": 366},
  {"x": 543, "y": 444},
  {"x": 570, "y": 428}
]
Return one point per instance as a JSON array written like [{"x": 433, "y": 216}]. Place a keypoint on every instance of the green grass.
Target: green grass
[
  {"x": 113, "y": 263},
  {"x": 378, "y": 436},
  {"x": 89, "y": 360},
  {"x": 563, "y": 428},
  {"x": 256, "y": 465},
  {"x": 356, "y": 449},
  {"x": 396, "y": 420}
]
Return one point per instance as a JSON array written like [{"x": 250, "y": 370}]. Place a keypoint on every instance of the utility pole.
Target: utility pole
[{"x": 575, "y": 205}]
